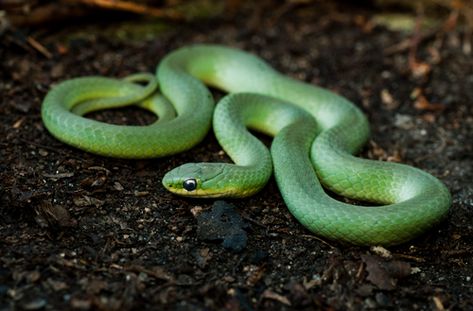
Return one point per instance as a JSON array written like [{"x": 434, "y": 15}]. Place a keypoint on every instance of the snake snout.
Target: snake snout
[{"x": 174, "y": 179}]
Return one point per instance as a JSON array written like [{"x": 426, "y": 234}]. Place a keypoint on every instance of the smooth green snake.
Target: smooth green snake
[{"x": 313, "y": 146}]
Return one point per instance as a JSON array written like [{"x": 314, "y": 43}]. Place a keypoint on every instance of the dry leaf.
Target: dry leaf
[
  {"x": 419, "y": 69},
  {"x": 422, "y": 103},
  {"x": 48, "y": 215},
  {"x": 385, "y": 274}
]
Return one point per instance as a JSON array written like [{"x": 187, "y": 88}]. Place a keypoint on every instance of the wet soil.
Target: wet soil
[{"x": 80, "y": 231}]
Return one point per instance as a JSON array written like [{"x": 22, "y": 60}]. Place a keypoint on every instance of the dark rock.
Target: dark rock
[{"x": 222, "y": 222}]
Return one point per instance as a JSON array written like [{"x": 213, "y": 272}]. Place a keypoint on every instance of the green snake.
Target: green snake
[{"x": 316, "y": 132}]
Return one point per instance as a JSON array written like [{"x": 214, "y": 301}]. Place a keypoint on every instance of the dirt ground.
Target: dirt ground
[{"x": 79, "y": 231}]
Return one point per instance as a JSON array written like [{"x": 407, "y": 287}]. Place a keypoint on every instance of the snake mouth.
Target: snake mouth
[
  {"x": 228, "y": 192},
  {"x": 199, "y": 193}
]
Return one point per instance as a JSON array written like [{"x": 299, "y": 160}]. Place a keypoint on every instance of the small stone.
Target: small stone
[
  {"x": 382, "y": 299},
  {"x": 117, "y": 186},
  {"x": 403, "y": 121}
]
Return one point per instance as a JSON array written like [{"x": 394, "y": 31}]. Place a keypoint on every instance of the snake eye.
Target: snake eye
[{"x": 189, "y": 184}]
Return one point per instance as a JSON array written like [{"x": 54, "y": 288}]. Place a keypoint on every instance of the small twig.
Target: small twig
[
  {"x": 248, "y": 218},
  {"x": 132, "y": 7},
  {"x": 313, "y": 237},
  {"x": 39, "y": 47},
  {"x": 415, "y": 258}
]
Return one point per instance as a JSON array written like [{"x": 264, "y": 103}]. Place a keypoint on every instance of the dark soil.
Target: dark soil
[{"x": 79, "y": 231}]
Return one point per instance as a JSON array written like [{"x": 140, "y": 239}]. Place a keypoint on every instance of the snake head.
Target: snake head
[{"x": 196, "y": 180}]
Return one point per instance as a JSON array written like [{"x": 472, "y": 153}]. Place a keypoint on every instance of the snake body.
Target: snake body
[{"x": 316, "y": 132}]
